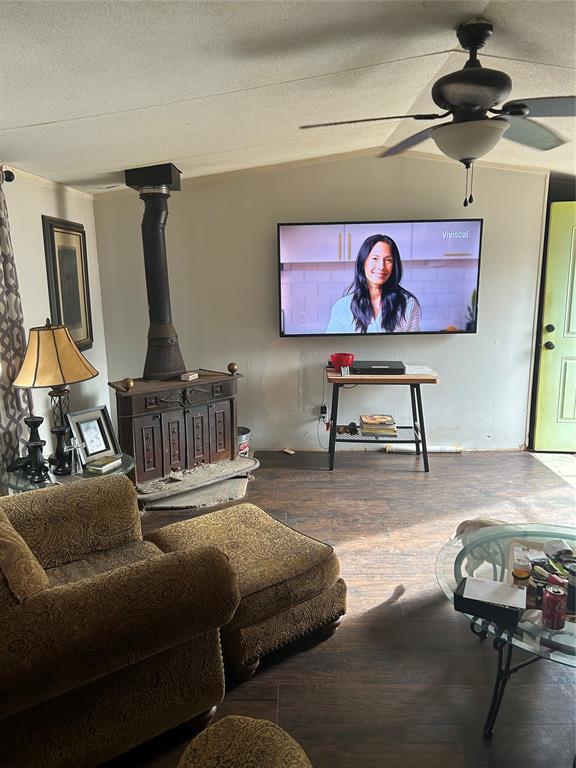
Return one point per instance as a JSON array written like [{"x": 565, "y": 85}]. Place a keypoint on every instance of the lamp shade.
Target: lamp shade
[
  {"x": 52, "y": 359},
  {"x": 469, "y": 140}
]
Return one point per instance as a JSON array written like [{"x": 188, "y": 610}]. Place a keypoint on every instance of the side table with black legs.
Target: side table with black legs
[{"x": 414, "y": 434}]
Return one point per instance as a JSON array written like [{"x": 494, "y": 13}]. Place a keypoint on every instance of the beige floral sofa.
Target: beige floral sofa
[{"x": 106, "y": 641}]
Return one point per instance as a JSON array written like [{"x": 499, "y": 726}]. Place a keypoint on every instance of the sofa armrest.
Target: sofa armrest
[
  {"x": 63, "y": 523},
  {"x": 68, "y": 636}
]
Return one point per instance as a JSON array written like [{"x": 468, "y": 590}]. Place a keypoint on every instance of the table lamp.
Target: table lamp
[{"x": 53, "y": 360}]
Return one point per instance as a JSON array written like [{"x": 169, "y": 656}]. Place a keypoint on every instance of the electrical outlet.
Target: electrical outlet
[{"x": 323, "y": 409}]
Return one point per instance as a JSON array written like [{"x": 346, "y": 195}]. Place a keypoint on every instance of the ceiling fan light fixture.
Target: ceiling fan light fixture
[{"x": 469, "y": 140}]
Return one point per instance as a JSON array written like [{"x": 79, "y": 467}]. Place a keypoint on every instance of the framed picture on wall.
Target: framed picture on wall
[
  {"x": 67, "y": 270},
  {"x": 93, "y": 430}
]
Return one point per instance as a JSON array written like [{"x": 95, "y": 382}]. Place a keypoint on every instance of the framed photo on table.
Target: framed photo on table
[
  {"x": 67, "y": 270},
  {"x": 92, "y": 428}
]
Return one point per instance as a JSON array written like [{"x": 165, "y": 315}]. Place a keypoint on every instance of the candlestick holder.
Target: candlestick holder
[
  {"x": 61, "y": 457},
  {"x": 36, "y": 466}
]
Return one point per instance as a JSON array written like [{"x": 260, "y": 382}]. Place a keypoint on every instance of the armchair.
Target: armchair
[{"x": 122, "y": 644}]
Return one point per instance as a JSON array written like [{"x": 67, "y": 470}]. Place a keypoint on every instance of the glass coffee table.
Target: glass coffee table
[
  {"x": 19, "y": 482},
  {"x": 486, "y": 554}
]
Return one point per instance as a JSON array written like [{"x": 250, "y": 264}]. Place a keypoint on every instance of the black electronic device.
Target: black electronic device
[{"x": 378, "y": 368}]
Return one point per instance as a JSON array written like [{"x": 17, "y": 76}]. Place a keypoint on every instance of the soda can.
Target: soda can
[
  {"x": 558, "y": 580},
  {"x": 554, "y": 607}
]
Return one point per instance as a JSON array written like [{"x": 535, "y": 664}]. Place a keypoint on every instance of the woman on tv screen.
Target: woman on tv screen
[{"x": 375, "y": 302}]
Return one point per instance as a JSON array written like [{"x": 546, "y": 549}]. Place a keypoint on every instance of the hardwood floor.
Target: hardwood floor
[{"x": 403, "y": 683}]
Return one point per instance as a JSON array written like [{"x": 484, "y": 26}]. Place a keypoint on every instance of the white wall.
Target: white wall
[
  {"x": 28, "y": 198},
  {"x": 221, "y": 237}
]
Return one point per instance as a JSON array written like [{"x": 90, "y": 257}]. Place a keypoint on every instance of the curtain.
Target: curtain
[{"x": 15, "y": 404}]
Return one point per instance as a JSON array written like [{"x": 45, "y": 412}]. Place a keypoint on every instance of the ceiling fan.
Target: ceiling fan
[{"x": 468, "y": 96}]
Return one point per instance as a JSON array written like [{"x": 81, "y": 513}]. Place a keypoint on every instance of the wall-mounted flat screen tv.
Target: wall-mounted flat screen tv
[{"x": 379, "y": 277}]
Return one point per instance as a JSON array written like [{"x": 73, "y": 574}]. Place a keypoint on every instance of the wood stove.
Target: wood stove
[{"x": 168, "y": 424}]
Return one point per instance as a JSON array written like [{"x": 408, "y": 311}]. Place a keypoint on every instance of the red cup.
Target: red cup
[{"x": 339, "y": 359}]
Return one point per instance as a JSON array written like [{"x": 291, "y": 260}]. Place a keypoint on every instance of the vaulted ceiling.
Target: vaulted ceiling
[{"x": 90, "y": 88}]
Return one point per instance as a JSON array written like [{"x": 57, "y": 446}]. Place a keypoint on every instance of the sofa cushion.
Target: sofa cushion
[
  {"x": 62, "y": 523},
  {"x": 276, "y": 566},
  {"x": 23, "y": 576},
  {"x": 102, "y": 562}
]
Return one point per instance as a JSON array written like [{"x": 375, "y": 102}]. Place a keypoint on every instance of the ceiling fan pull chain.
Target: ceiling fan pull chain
[
  {"x": 471, "y": 199},
  {"x": 466, "y": 190}
]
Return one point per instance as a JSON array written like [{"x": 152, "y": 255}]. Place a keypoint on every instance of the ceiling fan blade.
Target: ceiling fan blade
[
  {"x": 546, "y": 106},
  {"x": 375, "y": 119},
  {"x": 411, "y": 141},
  {"x": 522, "y": 130}
]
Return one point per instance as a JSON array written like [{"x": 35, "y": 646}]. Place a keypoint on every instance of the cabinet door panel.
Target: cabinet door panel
[
  {"x": 173, "y": 441},
  {"x": 148, "y": 447},
  {"x": 312, "y": 243},
  {"x": 220, "y": 430},
  {"x": 197, "y": 440}
]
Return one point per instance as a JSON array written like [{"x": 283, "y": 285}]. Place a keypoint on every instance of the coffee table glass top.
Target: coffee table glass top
[
  {"x": 19, "y": 482},
  {"x": 487, "y": 554}
]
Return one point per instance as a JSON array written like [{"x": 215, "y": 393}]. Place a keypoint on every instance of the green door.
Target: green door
[{"x": 555, "y": 425}]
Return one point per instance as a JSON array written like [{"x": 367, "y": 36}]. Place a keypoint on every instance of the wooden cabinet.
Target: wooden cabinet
[{"x": 173, "y": 425}]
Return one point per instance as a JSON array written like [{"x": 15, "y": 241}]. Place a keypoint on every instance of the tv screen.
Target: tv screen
[{"x": 380, "y": 277}]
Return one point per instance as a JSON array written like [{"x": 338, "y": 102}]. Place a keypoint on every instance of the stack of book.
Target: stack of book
[
  {"x": 103, "y": 464},
  {"x": 378, "y": 425}
]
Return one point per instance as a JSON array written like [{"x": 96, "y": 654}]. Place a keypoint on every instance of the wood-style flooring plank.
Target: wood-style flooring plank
[{"x": 403, "y": 683}]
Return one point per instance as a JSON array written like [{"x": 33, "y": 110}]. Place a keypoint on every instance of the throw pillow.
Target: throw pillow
[{"x": 23, "y": 573}]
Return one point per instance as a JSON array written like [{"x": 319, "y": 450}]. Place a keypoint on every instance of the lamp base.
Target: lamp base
[{"x": 60, "y": 403}]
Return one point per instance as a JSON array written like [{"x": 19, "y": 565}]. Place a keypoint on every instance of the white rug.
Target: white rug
[{"x": 191, "y": 479}]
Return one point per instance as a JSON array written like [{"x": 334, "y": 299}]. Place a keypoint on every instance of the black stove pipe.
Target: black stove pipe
[
  {"x": 163, "y": 358},
  {"x": 154, "y": 183}
]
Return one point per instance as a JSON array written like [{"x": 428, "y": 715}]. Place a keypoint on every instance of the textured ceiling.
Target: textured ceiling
[{"x": 90, "y": 88}]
